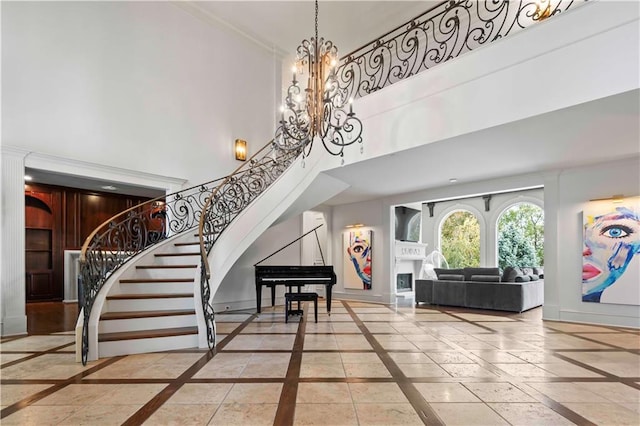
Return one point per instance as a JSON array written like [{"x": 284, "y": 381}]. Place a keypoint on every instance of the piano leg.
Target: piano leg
[
  {"x": 328, "y": 294},
  {"x": 273, "y": 295},
  {"x": 258, "y": 296}
]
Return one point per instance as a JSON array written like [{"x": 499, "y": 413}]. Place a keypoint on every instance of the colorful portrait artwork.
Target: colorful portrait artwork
[
  {"x": 357, "y": 259},
  {"x": 611, "y": 252}
]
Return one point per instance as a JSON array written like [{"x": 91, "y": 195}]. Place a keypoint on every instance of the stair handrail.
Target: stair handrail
[
  {"x": 121, "y": 237},
  {"x": 226, "y": 202}
]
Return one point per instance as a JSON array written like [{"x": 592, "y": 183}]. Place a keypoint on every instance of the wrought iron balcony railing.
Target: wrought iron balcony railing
[{"x": 444, "y": 32}]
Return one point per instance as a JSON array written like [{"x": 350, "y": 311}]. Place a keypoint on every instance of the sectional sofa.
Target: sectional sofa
[{"x": 516, "y": 290}]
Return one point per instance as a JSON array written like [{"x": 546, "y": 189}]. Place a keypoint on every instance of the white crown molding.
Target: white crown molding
[
  {"x": 208, "y": 17},
  {"x": 13, "y": 151},
  {"x": 86, "y": 169}
]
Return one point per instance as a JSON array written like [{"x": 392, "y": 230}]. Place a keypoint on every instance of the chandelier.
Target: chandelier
[{"x": 317, "y": 112}]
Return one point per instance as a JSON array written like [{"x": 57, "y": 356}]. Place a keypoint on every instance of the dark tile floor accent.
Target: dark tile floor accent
[{"x": 365, "y": 364}]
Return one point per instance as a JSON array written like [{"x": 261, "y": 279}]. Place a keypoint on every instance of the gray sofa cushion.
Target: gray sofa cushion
[
  {"x": 522, "y": 278},
  {"x": 469, "y": 272},
  {"x": 440, "y": 271},
  {"x": 486, "y": 278},
  {"x": 533, "y": 277},
  {"x": 451, "y": 277},
  {"x": 539, "y": 271}
]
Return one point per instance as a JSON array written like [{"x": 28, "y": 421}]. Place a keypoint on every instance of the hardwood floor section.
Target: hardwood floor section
[{"x": 51, "y": 317}]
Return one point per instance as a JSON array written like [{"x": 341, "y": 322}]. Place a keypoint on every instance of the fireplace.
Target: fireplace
[{"x": 404, "y": 283}]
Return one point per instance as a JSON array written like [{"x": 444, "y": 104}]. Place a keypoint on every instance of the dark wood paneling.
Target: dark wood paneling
[{"x": 70, "y": 215}]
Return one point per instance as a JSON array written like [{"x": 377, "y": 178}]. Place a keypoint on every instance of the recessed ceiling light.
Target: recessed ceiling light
[
  {"x": 453, "y": 180},
  {"x": 109, "y": 187},
  {"x": 27, "y": 177}
]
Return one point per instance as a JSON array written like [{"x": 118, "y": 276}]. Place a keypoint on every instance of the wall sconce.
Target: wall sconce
[
  {"x": 355, "y": 225},
  {"x": 543, "y": 10},
  {"x": 618, "y": 198},
  {"x": 240, "y": 149}
]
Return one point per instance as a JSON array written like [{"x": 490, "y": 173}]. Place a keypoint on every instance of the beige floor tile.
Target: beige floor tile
[
  {"x": 433, "y": 346},
  {"x": 321, "y": 358},
  {"x": 182, "y": 414},
  {"x": 614, "y": 392},
  {"x": 257, "y": 393},
  {"x": 420, "y": 337},
  {"x": 467, "y": 370},
  {"x": 40, "y": 415},
  {"x": 379, "y": 327},
  {"x": 498, "y": 392},
  {"x": 605, "y": 414},
  {"x": 376, "y": 369},
  {"x": 410, "y": 358},
  {"x": 566, "y": 369},
  {"x": 465, "y": 414},
  {"x": 568, "y": 392},
  {"x": 497, "y": 356},
  {"x": 476, "y": 346},
  {"x": 48, "y": 366},
  {"x": 321, "y": 327},
  {"x": 623, "y": 340},
  {"x": 352, "y": 343},
  {"x": 423, "y": 370},
  {"x": 10, "y": 394},
  {"x": 265, "y": 370},
  {"x": 282, "y": 342},
  {"x": 323, "y": 393},
  {"x": 445, "y": 392},
  {"x": 322, "y": 370},
  {"x": 344, "y": 328},
  {"x": 538, "y": 357},
  {"x": 101, "y": 415},
  {"x": 7, "y": 358},
  {"x": 335, "y": 317},
  {"x": 399, "y": 345},
  {"x": 387, "y": 414},
  {"x": 201, "y": 393},
  {"x": 320, "y": 342},
  {"x": 243, "y": 342},
  {"x": 37, "y": 343},
  {"x": 244, "y": 414},
  {"x": 529, "y": 414},
  {"x": 449, "y": 358},
  {"x": 359, "y": 357},
  {"x": 377, "y": 392},
  {"x": 325, "y": 414},
  {"x": 85, "y": 394},
  {"x": 523, "y": 370}
]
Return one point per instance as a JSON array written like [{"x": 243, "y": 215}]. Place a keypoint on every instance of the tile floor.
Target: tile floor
[{"x": 365, "y": 364}]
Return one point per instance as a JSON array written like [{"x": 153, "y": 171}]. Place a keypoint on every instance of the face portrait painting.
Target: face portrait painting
[
  {"x": 358, "y": 260},
  {"x": 610, "y": 254}
]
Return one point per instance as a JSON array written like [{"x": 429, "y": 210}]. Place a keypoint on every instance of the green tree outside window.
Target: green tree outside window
[{"x": 460, "y": 240}]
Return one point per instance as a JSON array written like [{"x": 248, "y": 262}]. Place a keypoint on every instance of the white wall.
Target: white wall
[
  {"x": 567, "y": 194},
  {"x": 137, "y": 85},
  {"x": 135, "y": 92}
]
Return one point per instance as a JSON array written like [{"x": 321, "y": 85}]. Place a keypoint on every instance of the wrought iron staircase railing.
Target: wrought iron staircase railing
[
  {"x": 444, "y": 32},
  {"x": 123, "y": 236},
  {"x": 226, "y": 202}
]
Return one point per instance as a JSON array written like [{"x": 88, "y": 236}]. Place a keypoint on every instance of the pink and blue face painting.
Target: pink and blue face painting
[
  {"x": 611, "y": 241},
  {"x": 360, "y": 252}
]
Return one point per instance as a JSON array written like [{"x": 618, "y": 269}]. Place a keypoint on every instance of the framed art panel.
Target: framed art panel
[
  {"x": 611, "y": 252},
  {"x": 357, "y": 259}
]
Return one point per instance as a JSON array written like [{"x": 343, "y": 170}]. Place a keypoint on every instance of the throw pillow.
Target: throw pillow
[
  {"x": 440, "y": 271},
  {"x": 533, "y": 277},
  {"x": 510, "y": 274},
  {"x": 522, "y": 278},
  {"x": 539, "y": 271},
  {"x": 451, "y": 277},
  {"x": 486, "y": 278}
]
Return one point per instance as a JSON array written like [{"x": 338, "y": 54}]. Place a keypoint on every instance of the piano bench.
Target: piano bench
[{"x": 289, "y": 298}]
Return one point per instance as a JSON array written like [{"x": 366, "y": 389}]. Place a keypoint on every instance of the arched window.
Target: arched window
[
  {"x": 460, "y": 239},
  {"x": 521, "y": 236}
]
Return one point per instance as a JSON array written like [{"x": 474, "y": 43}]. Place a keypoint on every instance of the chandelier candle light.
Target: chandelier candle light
[{"x": 319, "y": 113}]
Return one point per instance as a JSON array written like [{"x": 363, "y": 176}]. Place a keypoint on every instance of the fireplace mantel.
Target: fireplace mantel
[{"x": 409, "y": 258}]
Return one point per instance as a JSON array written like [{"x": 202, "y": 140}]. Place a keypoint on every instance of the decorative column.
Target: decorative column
[{"x": 14, "y": 320}]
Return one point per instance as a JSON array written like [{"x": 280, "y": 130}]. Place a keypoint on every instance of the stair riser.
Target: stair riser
[
  {"x": 133, "y": 305},
  {"x": 186, "y": 249},
  {"x": 155, "y": 288},
  {"x": 177, "y": 260},
  {"x": 164, "y": 273},
  {"x": 139, "y": 346},
  {"x": 154, "y": 323}
]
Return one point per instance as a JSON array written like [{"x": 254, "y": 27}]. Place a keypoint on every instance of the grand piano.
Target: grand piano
[{"x": 293, "y": 276}]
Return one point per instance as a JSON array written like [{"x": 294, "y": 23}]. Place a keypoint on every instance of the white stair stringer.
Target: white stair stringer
[
  {"x": 255, "y": 219},
  {"x": 153, "y": 293}
]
